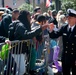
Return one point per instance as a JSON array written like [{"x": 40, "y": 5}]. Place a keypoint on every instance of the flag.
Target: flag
[{"x": 48, "y": 3}]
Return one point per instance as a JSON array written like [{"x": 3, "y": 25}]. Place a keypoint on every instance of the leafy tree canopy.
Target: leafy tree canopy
[
  {"x": 26, "y": 6},
  {"x": 68, "y": 4}
]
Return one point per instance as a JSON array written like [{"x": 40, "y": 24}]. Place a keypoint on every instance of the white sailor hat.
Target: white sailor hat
[{"x": 71, "y": 12}]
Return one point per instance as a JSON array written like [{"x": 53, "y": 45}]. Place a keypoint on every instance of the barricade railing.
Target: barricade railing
[
  {"x": 11, "y": 57},
  {"x": 46, "y": 50},
  {"x": 12, "y": 60}
]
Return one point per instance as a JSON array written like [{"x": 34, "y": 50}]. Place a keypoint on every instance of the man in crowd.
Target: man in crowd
[{"x": 6, "y": 20}]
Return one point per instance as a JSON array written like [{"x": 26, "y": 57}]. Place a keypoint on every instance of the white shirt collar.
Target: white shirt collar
[{"x": 71, "y": 27}]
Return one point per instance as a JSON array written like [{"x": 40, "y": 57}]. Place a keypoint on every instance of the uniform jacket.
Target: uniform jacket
[{"x": 69, "y": 43}]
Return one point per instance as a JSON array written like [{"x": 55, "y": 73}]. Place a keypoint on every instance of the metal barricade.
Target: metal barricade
[
  {"x": 43, "y": 63},
  {"x": 16, "y": 61}
]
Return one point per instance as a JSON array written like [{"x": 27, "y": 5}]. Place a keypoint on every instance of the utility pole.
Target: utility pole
[
  {"x": 44, "y": 3},
  {"x": 2, "y": 3},
  {"x": 58, "y": 4},
  {"x": 44, "y": 8},
  {"x": 33, "y": 4}
]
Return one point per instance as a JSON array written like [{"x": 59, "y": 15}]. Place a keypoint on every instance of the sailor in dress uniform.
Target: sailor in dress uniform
[{"x": 68, "y": 33}]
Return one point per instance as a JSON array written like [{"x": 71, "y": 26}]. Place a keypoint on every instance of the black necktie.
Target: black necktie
[{"x": 69, "y": 31}]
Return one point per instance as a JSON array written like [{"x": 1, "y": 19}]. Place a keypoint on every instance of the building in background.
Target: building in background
[{"x": 17, "y": 3}]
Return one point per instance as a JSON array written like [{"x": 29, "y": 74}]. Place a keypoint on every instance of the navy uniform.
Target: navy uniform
[{"x": 69, "y": 45}]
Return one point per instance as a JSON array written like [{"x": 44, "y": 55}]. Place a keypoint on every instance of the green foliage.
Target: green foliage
[
  {"x": 68, "y": 4},
  {"x": 52, "y": 7},
  {"x": 26, "y": 6}
]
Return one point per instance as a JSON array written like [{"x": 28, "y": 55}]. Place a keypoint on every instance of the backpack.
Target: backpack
[{"x": 11, "y": 31}]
